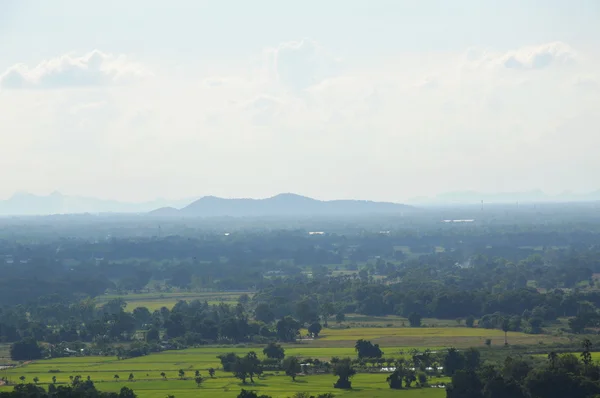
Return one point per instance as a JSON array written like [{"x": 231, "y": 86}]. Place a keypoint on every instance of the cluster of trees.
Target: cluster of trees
[
  {"x": 188, "y": 323},
  {"x": 281, "y": 308},
  {"x": 527, "y": 309},
  {"x": 415, "y": 367},
  {"x": 563, "y": 375}
]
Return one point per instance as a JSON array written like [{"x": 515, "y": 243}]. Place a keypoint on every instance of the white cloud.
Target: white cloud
[
  {"x": 92, "y": 69},
  {"x": 525, "y": 58},
  {"x": 539, "y": 57},
  {"x": 301, "y": 64}
]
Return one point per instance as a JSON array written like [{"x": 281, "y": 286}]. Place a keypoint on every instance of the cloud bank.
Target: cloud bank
[
  {"x": 95, "y": 68},
  {"x": 388, "y": 129}
]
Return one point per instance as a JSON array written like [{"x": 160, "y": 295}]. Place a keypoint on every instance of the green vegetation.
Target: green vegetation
[
  {"x": 156, "y": 300},
  {"x": 355, "y": 311}
]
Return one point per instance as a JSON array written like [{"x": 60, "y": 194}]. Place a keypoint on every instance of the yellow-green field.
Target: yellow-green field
[
  {"x": 148, "y": 381},
  {"x": 395, "y": 342},
  {"x": 155, "y": 301},
  {"x": 426, "y": 337},
  {"x": 278, "y": 386}
]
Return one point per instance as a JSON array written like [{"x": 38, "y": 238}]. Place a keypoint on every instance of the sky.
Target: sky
[{"x": 375, "y": 99}]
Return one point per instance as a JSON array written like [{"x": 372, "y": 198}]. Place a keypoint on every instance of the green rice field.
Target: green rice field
[
  {"x": 391, "y": 333},
  {"x": 396, "y": 342},
  {"x": 426, "y": 337},
  {"x": 148, "y": 381}
]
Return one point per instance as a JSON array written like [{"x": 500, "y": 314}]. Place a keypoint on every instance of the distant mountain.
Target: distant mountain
[
  {"x": 165, "y": 212},
  {"x": 535, "y": 196},
  {"x": 280, "y": 205},
  {"x": 23, "y": 203}
]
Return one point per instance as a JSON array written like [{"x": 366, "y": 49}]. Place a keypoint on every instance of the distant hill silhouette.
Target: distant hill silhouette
[
  {"x": 281, "y": 205},
  {"x": 23, "y": 203}
]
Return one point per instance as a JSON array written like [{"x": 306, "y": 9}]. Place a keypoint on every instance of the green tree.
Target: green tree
[
  {"x": 305, "y": 311},
  {"x": 409, "y": 377},
  {"x": 291, "y": 366},
  {"x": 198, "y": 380},
  {"x": 586, "y": 354},
  {"x": 505, "y": 328},
  {"x": 274, "y": 351},
  {"x": 26, "y": 350},
  {"x": 415, "y": 320},
  {"x": 22, "y": 378},
  {"x": 287, "y": 329},
  {"x": 163, "y": 375},
  {"x": 264, "y": 313},
  {"x": 131, "y": 377},
  {"x": 181, "y": 374},
  {"x": 211, "y": 372},
  {"x": 153, "y": 335},
  {"x": 453, "y": 361},
  {"x": 395, "y": 379},
  {"x": 470, "y": 321},
  {"x": 247, "y": 366},
  {"x": 36, "y": 379},
  {"x": 472, "y": 359},
  {"x": 366, "y": 349},
  {"x": 552, "y": 358},
  {"x": 340, "y": 317},
  {"x": 314, "y": 329},
  {"x": 126, "y": 392},
  {"x": 116, "y": 377},
  {"x": 422, "y": 379},
  {"x": 344, "y": 371},
  {"x": 327, "y": 310},
  {"x": 53, "y": 379}
]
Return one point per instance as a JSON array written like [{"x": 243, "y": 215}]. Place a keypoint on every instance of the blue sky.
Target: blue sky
[{"x": 357, "y": 99}]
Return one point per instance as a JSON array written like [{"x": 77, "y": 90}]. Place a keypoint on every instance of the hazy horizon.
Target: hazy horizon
[
  {"x": 458, "y": 196},
  {"x": 381, "y": 100}
]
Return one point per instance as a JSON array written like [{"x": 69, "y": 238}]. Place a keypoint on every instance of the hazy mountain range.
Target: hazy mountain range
[
  {"x": 284, "y": 204},
  {"x": 280, "y": 205},
  {"x": 23, "y": 203},
  {"x": 208, "y": 206}
]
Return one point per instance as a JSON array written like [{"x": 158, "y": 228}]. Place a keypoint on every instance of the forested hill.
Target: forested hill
[{"x": 281, "y": 205}]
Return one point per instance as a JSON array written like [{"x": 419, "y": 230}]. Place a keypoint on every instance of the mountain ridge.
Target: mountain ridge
[
  {"x": 27, "y": 204},
  {"x": 285, "y": 204}
]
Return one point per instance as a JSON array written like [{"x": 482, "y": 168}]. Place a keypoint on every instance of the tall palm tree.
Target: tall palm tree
[
  {"x": 505, "y": 326},
  {"x": 552, "y": 357}
]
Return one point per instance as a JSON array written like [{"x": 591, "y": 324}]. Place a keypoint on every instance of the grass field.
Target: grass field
[
  {"x": 334, "y": 342},
  {"x": 426, "y": 337},
  {"x": 364, "y": 385},
  {"x": 395, "y": 342},
  {"x": 149, "y": 384},
  {"x": 157, "y": 300}
]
